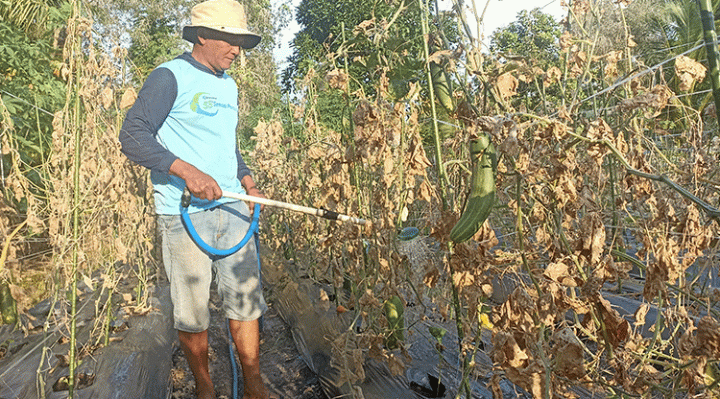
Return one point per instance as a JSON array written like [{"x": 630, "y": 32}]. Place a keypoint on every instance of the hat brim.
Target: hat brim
[{"x": 241, "y": 38}]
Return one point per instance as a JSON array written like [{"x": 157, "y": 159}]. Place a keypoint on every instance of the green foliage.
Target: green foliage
[
  {"x": 388, "y": 41},
  {"x": 665, "y": 29},
  {"x": 682, "y": 22},
  {"x": 648, "y": 23},
  {"x": 255, "y": 72},
  {"x": 330, "y": 105},
  {"x": 528, "y": 43},
  {"x": 262, "y": 21},
  {"x": 370, "y": 41},
  {"x": 533, "y": 36},
  {"x": 31, "y": 84},
  {"x": 125, "y": 22},
  {"x": 30, "y": 16},
  {"x": 162, "y": 45},
  {"x": 30, "y": 66}
]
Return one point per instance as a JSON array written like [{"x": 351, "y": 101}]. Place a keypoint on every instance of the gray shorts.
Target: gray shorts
[{"x": 190, "y": 269}]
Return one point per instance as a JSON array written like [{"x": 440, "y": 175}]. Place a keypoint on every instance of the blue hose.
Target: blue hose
[
  {"x": 214, "y": 251},
  {"x": 233, "y": 363},
  {"x": 252, "y": 231},
  {"x": 231, "y": 348}
]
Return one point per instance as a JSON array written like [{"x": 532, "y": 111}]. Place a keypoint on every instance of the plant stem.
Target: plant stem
[
  {"x": 521, "y": 236},
  {"x": 708, "y": 21},
  {"x": 442, "y": 175},
  {"x": 710, "y": 210},
  {"x": 6, "y": 246}
]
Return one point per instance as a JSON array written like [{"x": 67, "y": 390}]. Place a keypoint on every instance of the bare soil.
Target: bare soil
[{"x": 284, "y": 371}]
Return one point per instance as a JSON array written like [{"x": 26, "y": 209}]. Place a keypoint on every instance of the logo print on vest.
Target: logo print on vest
[{"x": 202, "y": 104}]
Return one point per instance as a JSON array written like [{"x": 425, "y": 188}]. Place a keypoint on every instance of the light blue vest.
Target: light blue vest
[{"x": 200, "y": 130}]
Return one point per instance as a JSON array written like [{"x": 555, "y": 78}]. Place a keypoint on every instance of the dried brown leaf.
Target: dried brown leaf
[
  {"x": 507, "y": 85},
  {"x": 107, "y": 97},
  {"x": 337, "y": 79},
  {"x": 552, "y": 76},
  {"x": 616, "y": 327},
  {"x": 688, "y": 71},
  {"x": 568, "y": 354},
  {"x": 128, "y": 98},
  {"x": 708, "y": 338},
  {"x": 641, "y": 313}
]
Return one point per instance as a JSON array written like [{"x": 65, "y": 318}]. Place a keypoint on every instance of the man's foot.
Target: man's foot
[
  {"x": 260, "y": 395},
  {"x": 205, "y": 390},
  {"x": 254, "y": 387},
  {"x": 195, "y": 347},
  {"x": 206, "y": 396}
]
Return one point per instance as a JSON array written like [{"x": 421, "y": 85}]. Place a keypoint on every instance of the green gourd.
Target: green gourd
[
  {"x": 482, "y": 190},
  {"x": 441, "y": 87},
  {"x": 8, "y": 305},
  {"x": 394, "y": 310}
]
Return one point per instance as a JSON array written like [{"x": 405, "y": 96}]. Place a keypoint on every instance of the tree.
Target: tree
[
  {"x": 363, "y": 42},
  {"x": 682, "y": 21},
  {"x": 648, "y": 23},
  {"x": 533, "y": 35},
  {"x": 256, "y": 72},
  {"x": 664, "y": 29},
  {"x": 376, "y": 35},
  {"x": 163, "y": 44},
  {"x": 530, "y": 45}
]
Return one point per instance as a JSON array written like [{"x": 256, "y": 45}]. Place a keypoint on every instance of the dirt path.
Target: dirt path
[{"x": 285, "y": 373}]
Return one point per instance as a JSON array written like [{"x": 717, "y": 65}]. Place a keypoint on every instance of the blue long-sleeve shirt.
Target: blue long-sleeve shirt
[
  {"x": 194, "y": 122},
  {"x": 143, "y": 120}
]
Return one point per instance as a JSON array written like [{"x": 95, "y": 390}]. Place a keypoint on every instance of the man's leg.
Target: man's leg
[
  {"x": 246, "y": 335},
  {"x": 195, "y": 347}
]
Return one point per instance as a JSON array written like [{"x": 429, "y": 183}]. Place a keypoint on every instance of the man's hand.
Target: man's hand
[
  {"x": 251, "y": 189},
  {"x": 200, "y": 184},
  {"x": 255, "y": 192}
]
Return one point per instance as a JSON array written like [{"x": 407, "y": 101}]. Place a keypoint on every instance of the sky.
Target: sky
[{"x": 499, "y": 13}]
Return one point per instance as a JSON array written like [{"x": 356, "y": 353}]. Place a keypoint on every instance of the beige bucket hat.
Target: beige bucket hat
[{"x": 226, "y": 16}]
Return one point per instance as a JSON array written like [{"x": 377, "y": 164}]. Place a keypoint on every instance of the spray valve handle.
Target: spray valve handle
[{"x": 186, "y": 198}]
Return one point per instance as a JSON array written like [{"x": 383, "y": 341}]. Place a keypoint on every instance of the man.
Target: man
[{"x": 182, "y": 127}]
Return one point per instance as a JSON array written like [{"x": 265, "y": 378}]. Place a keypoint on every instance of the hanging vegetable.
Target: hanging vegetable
[{"x": 482, "y": 190}]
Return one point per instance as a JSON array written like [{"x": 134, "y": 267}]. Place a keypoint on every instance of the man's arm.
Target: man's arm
[
  {"x": 143, "y": 120},
  {"x": 200, "y": 184},
  {"x": 141, "y": 126},
  {"x": 243, "y": 169},
  {"x": 247, "y": 180}
]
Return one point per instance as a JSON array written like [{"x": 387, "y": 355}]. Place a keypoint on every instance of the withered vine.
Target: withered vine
[
  {"x": 606, "y": 196},
  {"x": 594, "y": 204}
]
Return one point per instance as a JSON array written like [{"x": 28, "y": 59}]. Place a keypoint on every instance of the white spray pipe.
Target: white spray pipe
[{"x": 293, "y": 207}]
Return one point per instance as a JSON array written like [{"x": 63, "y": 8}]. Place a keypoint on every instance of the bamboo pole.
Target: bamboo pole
[
  {"x": 708, "y": 21},
  {"x": 73, "y": 90}
]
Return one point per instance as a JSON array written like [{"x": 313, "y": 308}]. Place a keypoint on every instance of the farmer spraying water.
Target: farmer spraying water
[{"x": 182, "y": 127}]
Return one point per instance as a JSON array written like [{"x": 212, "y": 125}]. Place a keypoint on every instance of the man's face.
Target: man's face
[{"x": 219, "y": 54}]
